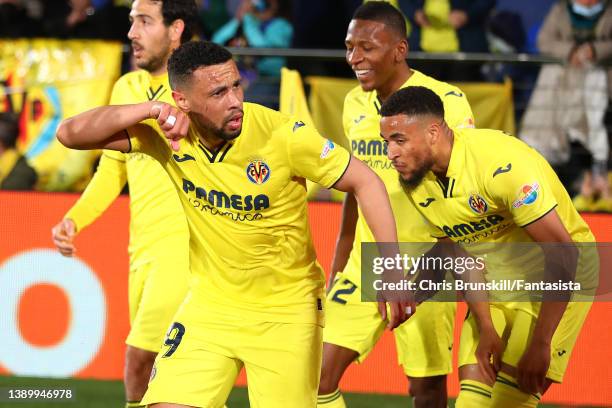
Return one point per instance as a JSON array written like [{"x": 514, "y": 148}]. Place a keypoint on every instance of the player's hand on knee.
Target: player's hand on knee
[
  {"x": 533, "y": 366},
  {"x": 488, "y": 353},
  {"x": 172, "y": 121},
  {"x": 63, "y": 237}
]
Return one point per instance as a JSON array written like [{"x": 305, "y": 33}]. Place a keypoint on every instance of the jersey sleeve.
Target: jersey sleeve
[
  {"x": 102, "y": 190},
  {"x": 458, "y": 113},
  {"x": 313, "y": 157},
  {"x": 521, "y": 186},
  {"x": 147, "y": 139}
]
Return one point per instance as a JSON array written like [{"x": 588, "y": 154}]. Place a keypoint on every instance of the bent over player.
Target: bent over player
[{"x": 484, "y": 186}]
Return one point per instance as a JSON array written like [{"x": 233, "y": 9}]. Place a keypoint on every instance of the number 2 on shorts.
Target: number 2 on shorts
[{"x": 336, "y": 297}]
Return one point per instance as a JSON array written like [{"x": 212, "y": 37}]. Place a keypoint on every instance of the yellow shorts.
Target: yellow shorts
[
  {"x": 156, "y": 289},
  {"x": 424, "y": 343},
  {"x": 514, "y": 323},
  {"x": 202, "y": 356}
]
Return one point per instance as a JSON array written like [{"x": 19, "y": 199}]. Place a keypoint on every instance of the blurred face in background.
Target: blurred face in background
[{"x": 150, "y": 37}]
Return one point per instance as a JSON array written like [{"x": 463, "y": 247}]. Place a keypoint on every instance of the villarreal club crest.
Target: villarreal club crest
[
  {"x": 478, "y": 204},
  {"x": 258, "y": 172}
]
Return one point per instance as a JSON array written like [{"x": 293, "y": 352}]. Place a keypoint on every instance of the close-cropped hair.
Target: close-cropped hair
[
  {"x": 413, "y": 101},
  {"x": 385, "y": 13},
  {"x": 193, "y": 55}
]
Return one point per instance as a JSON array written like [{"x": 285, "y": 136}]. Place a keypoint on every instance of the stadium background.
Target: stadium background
[{"x": 67, "y": 318}]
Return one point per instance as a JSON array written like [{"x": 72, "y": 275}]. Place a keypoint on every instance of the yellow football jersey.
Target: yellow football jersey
[
  {"x": 361, "y": 120},
  {"x": 155, "y": 209},
  {"x": 251, "y": 250},
  {"x": 490, "y": 195},
  {"x": 496, "y": 185}
]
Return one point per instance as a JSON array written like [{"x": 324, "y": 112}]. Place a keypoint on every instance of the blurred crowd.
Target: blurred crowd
[{"x": 566, "y": 114}]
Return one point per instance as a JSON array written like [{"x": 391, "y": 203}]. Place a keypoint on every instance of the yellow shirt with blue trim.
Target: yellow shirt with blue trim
[
  {"x": 361, "y": 120},
  {"x": 251, "y": 248},
  {"x": 495, "y": 186},
  {"x": 156, "y": 211}
]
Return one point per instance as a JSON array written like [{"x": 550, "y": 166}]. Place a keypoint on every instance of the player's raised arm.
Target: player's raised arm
[{"x": 104, "y": 127}]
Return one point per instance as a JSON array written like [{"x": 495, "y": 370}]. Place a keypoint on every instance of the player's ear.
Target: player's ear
[
  {"x": 181, "y": 101},
  {"x": 401, "y": 51},
  {"x": 176, "y": 30},
  {"x": 434, "y": 131}
]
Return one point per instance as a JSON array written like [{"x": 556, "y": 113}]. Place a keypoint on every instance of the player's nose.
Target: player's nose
[
  {"x": 133, "y": 33},
  {"x": 354, "y": 57},
  {"x": 392, "y": 152}
]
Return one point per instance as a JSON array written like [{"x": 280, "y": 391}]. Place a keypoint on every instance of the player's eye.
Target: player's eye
[{"x": 218, "y": 92}]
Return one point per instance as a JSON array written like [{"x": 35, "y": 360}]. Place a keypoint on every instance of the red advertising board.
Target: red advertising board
[{"x": 68, "y": 317}]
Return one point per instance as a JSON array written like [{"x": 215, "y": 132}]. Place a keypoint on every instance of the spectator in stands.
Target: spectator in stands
[
  {"x": 449, "y": 26},
  {"x": 213, "y": 15},
  {"x": 15, "y": 172},
  {"x": 259, "y": 24},
  {"x": 566, "y": 112}
]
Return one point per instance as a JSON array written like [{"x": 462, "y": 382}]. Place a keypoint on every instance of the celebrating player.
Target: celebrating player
[
  {"x": 485, "y": 186},
  {"x": 256, "y": 299},
  {"x": 159, "y": 257},
  {"x": 376, "y": 51}
]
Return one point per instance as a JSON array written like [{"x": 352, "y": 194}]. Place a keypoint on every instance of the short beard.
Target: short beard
[
  {"x": 152, "y": 65},
  {"x": 416, "y": 177},
  {"x": 227, "y": 136}
]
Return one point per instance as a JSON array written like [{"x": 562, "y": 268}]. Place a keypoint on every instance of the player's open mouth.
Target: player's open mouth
[
  {"x": 362, "y": 73},
  {"x": 235, "y": 121},
  {"x": 137, "y": 50}
]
